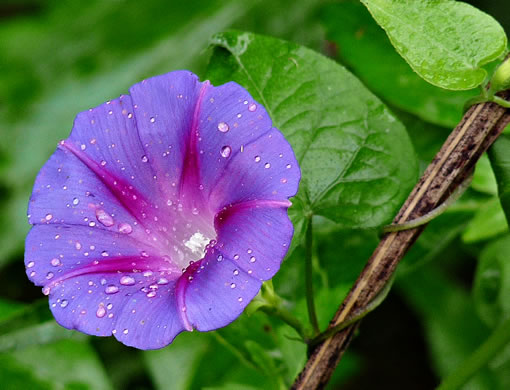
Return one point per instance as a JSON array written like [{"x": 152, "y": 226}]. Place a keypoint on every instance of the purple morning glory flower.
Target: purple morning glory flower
[{"x": 163, "y": 211}]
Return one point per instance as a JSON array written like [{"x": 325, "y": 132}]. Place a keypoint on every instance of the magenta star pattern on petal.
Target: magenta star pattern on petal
[{"x": 162, "y": 212}]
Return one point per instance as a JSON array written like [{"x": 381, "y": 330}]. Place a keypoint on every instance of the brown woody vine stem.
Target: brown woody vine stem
[{"x": 477, "y": 130}]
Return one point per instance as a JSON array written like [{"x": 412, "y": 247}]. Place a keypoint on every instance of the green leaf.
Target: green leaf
[
  {"x": 483, "y": 178},
  {"x": 488, "y": 222},
  {"x": 63, "y": 365},
  {"x": 364, "y": 47},
  {"x": 23, "y": 326},
  {"x": 349, "y": 146},
  {"x": 445, "y": 42},
  {"x": 499, "y": 155},
  {"x": 177, "y": 364},
  {"x": 492, "y": 282}
]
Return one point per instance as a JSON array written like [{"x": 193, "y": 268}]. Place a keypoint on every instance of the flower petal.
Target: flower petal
[
  {"x": 244, "y": 157},
  {"x": 165, "y": 107},
  {"x": 97, "y": 177},
  {"x": 103, "y": 283},
  {"x": 256, "y": 236},
  {"x": 218, "y": 292}
]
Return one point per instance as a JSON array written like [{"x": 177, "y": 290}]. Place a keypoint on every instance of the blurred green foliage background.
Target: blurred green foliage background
[{"x": 59, "y": 58}]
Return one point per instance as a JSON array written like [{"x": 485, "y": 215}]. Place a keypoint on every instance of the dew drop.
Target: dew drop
[
  {"x": 267, "y": 165},
  {"x": 46, "y": 290},
  {"x": 111, "y": 289},
  {"x": 127, "y": 280},
  {"x": 31, "y": 264},
  {"x": 162, "y": 281},
  {"x": 152, "y": 120},
  {"x": 236, "y": 257},
  {"x": 48, "y": 217},
  {"x": 225, "y": 151},
  {"x": 101, "y": 311},
  {"x": 109, "y": 306},
  {"x": 283, "y": 181},
  {"x": 55, "y": 262},
  {"x": 125, "y": 228},
  {"x": 219, "y": 258},
  {"x": 145, "y": 159},
  {"x": 103, "y": 163},
  {"x": 240, "y": 299},
  {"x": 252, "y": 107},
  {"x": 76, "y": 201},
  {"x": 151, "y": 294},
  {"x": 103, "y": 217},
  {"x": 77, "y": 245},
  {"x": 232, "y": 285},
  {"x": 288, "y": 166},
  {"x": 223, "y": 127},
  {"x": 64, "y": 303},
  {"x": 253, "y": 259},
  {"x": 125, "y": 331},
  {"x": 236, "y": 272},
  {"x": 50, "y": 275}
]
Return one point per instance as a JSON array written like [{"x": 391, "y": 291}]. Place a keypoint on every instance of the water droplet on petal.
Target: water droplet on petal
[
  {"x": 162, "y": 281},
  {"x": 50, "y": 275},
  {"x": 125, "y": 228},
  {"x": 236, "y": 272},
  {"x": 288, "y": 166},
  {"x": 152, "y": 120},
  {"x": 125, "y": 331},
  {"x": 252, "y": 107},
  {"x": 55, "y": 262},
  {"x": 151, "y": 294},
  {"x": 48, "y": 217},
  {"x": 46, "y": 290},
  {"x": 253, "y": 259},
  {"x": 267, "y": 165},
  {"x": 223, "y": 127},
  {"x": 64, "y": 303},
  {"x": 145, "y": 159},
  {"x": 111, "y": 289},
  {"x": 76, "y": 201},
  {"x": 103, "y": 163},
  {"x": 101, "y": 311},
  {"x": 225, "y": 151},
  {"x": 257, "y": 158},
  {"x": 103, "y": 217},
  {"x": 232, "y": 285},
  {"x": 240, "y": 299},
  {"x": 127, "y": 280},
  {"x": 30, "y": 264}
]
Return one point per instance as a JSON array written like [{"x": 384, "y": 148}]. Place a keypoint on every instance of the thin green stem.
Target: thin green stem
[
  {"x": 499, "y": 339},
  {"x": 310, "y": 302},
  {"x": 502, "y": 102},
  {"x": 233, "y": 349},
  {"x": 357, "y": 316},
  {"x": 287, "y": 317},
  {"x": 433, "y": 213}
]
